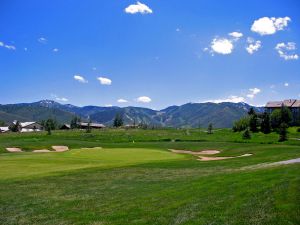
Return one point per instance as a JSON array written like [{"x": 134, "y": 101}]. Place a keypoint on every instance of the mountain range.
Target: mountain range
[{"x": 188, "y": 115}]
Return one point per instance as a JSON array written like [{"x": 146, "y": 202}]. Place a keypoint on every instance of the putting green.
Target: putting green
[{"x": 26, "y": 165}]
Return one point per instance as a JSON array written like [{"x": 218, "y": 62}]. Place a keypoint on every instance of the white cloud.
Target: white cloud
[
  {"x": 286, "y": 84},
  {"x": 138, "y": 8},
  {"x": 121, "y": 100},
  {"x": 236, "y": 35},
  {"x": 253, "y": 45},
  {"x": 104, "y": 80},
  {"x": 62, "y": 99},
  {"x": 221, "y": 46},
  {"x": 42, "y": 40},
  {"x": 80, "y": 79},
  {"x": 108, "y": 105},
  {"x": 232, "y": 98},
  {"x": 178, "y": 29},
  {"x": 9, "y": 47},
  {"x": 268, "y": 26},
  {"x": 287, "y": 50},
  {"x": 144, "y": 99},
  {"x": 55, "y": 50},
  {"x": 253, "y": 92},
  {"x": 25, "y": 49}
]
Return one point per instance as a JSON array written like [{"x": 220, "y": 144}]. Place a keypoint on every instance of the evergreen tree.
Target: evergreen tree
[
  {"x": 246, "y": 134},
  {"x": 266, "y": 123},
  {"x": 118, "y": 121},
  {"x": 253, "y": 123},
  {"x": 15, "y": 127},
  {"x": 286, "y": 115},
  {"x": 251, "y": 111},
  {"x": 75, "y": 122},
  {"x": 210, "y": 128},
  {"x": 89, "y": 129},
  {"x": 283, "y": 132}
]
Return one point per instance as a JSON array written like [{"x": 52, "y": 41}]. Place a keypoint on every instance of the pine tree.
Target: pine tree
[
  {"x": 210, "y": 128},
  {"x": 266, "y": 123},
  {"x": 283, "y": 132},
  {"x": 49, "y": 126},
  {"x": 88, "y": 128},
  {"x": 251, "y": 111},
  {"x": 118, "y": 121},
  {"x": 253, "y": 123}
]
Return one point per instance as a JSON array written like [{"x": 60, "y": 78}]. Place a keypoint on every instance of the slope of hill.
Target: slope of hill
[{"x": 187, "y": 115}]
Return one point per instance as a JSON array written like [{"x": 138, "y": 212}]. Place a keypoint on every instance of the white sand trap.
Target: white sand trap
[
  {"x": 14, "y": 150},
  {"x": 203, "y": 152},
  {"x": 41, "y": 151},
  {"x": 93, "y": 148},
  {"x": 60, "y": 148},
  {"x": 202, "y": 158}
]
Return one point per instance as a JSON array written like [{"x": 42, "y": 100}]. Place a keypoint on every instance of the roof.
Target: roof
[
  {"x": 25, "y": 124},
  {"x": 4, "y": 129},
  {"x": 288, "y": 103},
  {"x": 93, "y": 125}
]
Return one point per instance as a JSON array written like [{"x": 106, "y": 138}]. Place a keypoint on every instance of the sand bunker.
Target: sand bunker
[
  {"x": 203, "y": 152},
  {"x": 207, "y": 152},
  {"x": 14, "y": 149},
  {"x": 202, "y": 158},
  {"x": 41, "y": 150},
  {"x": 60, "y": 148}
]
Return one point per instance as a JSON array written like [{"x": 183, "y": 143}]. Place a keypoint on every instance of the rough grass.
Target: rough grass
[{"x": 144, "y": 183}]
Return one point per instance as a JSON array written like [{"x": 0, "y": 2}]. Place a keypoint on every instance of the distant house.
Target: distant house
[
  {"x": 4, "y": 129},
  {"x": 92, "y": 125},
  {"x": 30, "y": 126},
  {"x": 292, "y": 104},
  {"x": 65, "y": 127}
]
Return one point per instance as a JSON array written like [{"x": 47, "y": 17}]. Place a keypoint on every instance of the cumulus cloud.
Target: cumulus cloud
[
  {"x": 232, "y": 98},
  {"x": 253, "y": 45},
  {"x": 55, "y": 50},
  {"x": 286, "y": 84},
  {"x": 269, "y": 25},
  {"x": 9, "y": 47},
  {"x": 42, "y": 40},
  {"x": 80, "y": 79},
  {"x": 104, "y": 81},
  {"x": 221, "y": 46},
  {"x": 287, "y": 50},
  {"x": 253, "y": 92},
  {"x": 121, "y": 100},
  {"x": 236, "y": 35},
  {"x": 144, "y": 99},
  {"x": 138, "y": 8}
]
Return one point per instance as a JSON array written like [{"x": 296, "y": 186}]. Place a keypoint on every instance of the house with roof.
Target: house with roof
[
  {"x": 92, "y": 125},
  {"x": 292, "y": 104}
]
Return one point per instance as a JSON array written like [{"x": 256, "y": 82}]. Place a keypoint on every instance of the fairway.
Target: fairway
[{"x": 144, "y": 182}]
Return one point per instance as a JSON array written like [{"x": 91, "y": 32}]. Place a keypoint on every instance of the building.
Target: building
[
  {"x": 4, "y": 129},
  {"x": 24, "y": 127},
  {"x": 92, "y": 125},
  {"x": 292, "y": 104},
  {"x": 65, "y": 127}
]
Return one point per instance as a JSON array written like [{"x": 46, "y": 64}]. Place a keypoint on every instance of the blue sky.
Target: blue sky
[{"x": 151, "y": 53}]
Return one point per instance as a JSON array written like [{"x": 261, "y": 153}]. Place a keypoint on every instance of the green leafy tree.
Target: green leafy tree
[
  {"x": 2, "y": 123},
  {"x": 49, "y": 126},
  {"x": 241, "y": 124},
  {"x": 283, "y": 132},
  {"x": 279, "y": 116},
  {"x": 210, "y": 128},
  {"x": 118, "y": 121},
  {"x": 265, "y": 123},
  {"x": 246, "y": 134},
  {"x": 276, "y": 118}
]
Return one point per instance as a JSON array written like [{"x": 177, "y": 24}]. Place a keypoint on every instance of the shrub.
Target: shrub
[
  {"x": 246, "y": 134},
  {"x": 298, "y": 130}
]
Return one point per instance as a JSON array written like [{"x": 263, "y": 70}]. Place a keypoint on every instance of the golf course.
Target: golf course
[{"x": 137, "y": 176}]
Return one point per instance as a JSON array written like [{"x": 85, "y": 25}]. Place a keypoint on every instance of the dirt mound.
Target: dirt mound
[
  {"x": 60, "y": 148},
  {"x": 14, "y": 150}
]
